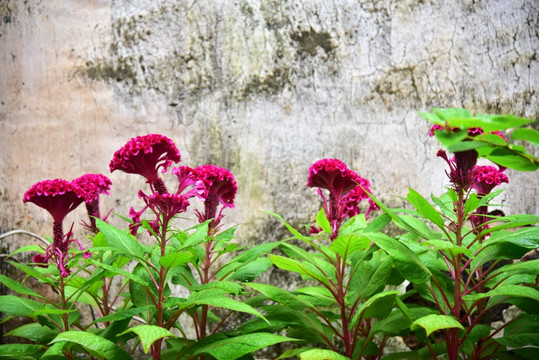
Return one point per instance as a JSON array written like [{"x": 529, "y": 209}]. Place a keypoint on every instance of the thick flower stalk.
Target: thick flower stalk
[
  {"x": 93, "y": 185},
  {"x": 145, "y": 156},
  {"x": 346, "y": 189},
  {"x": 59, "y": 197}
]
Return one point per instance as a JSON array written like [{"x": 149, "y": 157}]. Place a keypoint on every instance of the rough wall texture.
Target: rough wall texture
[{"x": 262, "y": 87}]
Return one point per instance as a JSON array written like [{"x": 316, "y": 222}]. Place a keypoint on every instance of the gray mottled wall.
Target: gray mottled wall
[{"x": 262, "y": 87}]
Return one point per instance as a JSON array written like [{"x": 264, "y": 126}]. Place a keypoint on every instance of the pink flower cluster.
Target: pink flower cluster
[
  {"x": 144, "y": 155},
  {"x": 346, "y": 190},
  {"x": 59, "y": 197}
]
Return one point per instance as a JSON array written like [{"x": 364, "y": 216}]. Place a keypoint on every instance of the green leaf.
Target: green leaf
[
  {"x": 425, "y": 208},
  {"x": 322, "y": 221},
  {"x": 449, "y": 138},
  {"x": 512, "y": 160},
  {"x": 371, "y": 301},
  {"x": 507, "y": 290},
  {"x": 16, "y": 306},
  {"x": 282, "y": 297},
  {"x": 96, "y": 345},
  {"x": 18, "y": 287},
  {"x": 36, "y": 248},
  {"x": 19, "y": 350},
  {"x": 122, "y": 314},
  {"x": 489, "y": 122},
  {"x": 435, "y": 322},
  {"x": 148, "y": 334},
  {"x": 34, "y": 332},
  {"x": 346, "y": 245},
  {"x": 379, "y": 277},
  {"x": 235, "y": 347},
  {"x": 294, "y": 232},
  {"x": 198, "y": 237},
  {"x": 319, "y": 354},
  {"x": 175, "y": 259},
  {"x": 527, "y": 134},
  {"x": 296, "y": 266},
  {"x": 526, "y": 237},
  {"x": 120, "y": 240},
  {"x": 115, "y": 270},
  {"x": 467, "y": 145},
  {"x": 31, "y": 271},
  {"x": 510, "y": 221},
  {"x": 446, "y": 245},
  {"x": 249, "y": 271},
  {"x": 55, "y": 352},
  {"x": 215, "y": 297},
  {"x": 406, "y": 261},
  {"x": 451, "y": 113}
]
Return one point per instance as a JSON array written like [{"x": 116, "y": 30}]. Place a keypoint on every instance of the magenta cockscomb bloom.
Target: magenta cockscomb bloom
[
  {"x": 345, "y": 190},
  {"x": 460, "y": 167},
  {"x": 485, "y": 178},
  {"x": 93, "y": 185},
  {"x": 145, "y": 155},
  {"x": 221, "y": 189},
  {"x": 59, "y": 197}
]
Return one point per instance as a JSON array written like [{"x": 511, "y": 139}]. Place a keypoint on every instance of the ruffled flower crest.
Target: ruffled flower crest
[
  {"x": 145, "y": 155},
  {"x": 221, "y": 189},
  {"x": 93, "y": 185},
  {"x": 346, "y": 189},
  {"x": 59, "y": 197}
]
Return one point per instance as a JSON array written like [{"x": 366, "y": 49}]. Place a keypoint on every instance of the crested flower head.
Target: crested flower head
[
  {"x": 332, "y": 175},
  {"x": 145, "y": 155},
  {"x": 221, "y": 189},
  {"x": 59, "y": 197},
  {"x": 93, "y": 185},
  {"x": 485, "y": 178},
  {"x": 346, "y": 190}
]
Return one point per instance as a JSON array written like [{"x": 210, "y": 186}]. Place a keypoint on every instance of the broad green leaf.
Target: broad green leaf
[
  {"x": 18, "y": 287},
  {"x": 425, "y": 208},
  {"x": 406, "y": 261},
  {"x": 527, "y": 237},
  {"x": 198, "y": 237},
  {"x": 235, "y": 347},
  {"x": 55, "y": 352},
  {"x": 527, "y": 134},
  {"x": 298, "y": 267},
  {"x": 378, "y": 279},
  {"x": 346, "y": 245},
  {"x": 120, "y": 240},
  {"x": 34, "y": 332},
  {"x": 510, "y": 221},
  {"x": 36, "y": 248},
  {"x": 435, "y": 322},
  {"x": 215, "y": 297},
  {"x": 446, "y": 245},
  {"x": 451, "y": 113},
  {"x": 512, "y": 160},
  {"x": 472, "y": 203},
  {"x": 122, "y": 314},
  {"x": 282, "y": 297},
  {"x": 466, "y": 145},
  {"x": 319, "y": 354},
  {"x": 230, "y": 287},
  {"x": 148, "y": 334},
  {"x": 355, "y": 225},
  {"x": 17, "y": 306},
  {"x": 520, "y": 340},
  {"x": 369, "y": 302},
  {"x": 521, "y": 267},
  {"x": 19, "y": 350},
  {"x": 175, "y": 259},
  {"x": 33, "y": 271},
  {"x": 322, "y": 221},
  {"x": 251, "y": 270},
  {"x": 119, "y": 271},
  {"x": 507, "y": 290},
  {"x": 95, "y": 344},
  {"x": 489, "y": 122},
  {"x": 449, "y": 138}
]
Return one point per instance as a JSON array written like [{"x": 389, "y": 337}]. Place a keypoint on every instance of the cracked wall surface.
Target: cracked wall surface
[{"x": 264, "y": 88}]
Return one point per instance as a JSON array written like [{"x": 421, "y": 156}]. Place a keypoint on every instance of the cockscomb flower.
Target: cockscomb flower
[
  {"x": 485, "y": 178},
  {"x": 188, "y": 177},
  {"x": 221, "y": 189},
  {"x": 59, "y": 197},
  {"x": 344, "y": 190},
  {"x": 145, "y": 155},
  {"x": 93, "y": 185},
  {"x": 460, "y": 167}
]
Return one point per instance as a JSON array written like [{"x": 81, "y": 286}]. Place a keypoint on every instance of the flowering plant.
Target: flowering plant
[{"x": 164, "y": 289}]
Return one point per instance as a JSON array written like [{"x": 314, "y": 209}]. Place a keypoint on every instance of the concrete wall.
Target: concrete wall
[{"x": 262, "y": 87}]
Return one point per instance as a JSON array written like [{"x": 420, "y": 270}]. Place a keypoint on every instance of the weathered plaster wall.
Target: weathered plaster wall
[{"x": 262, "y": 87}]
